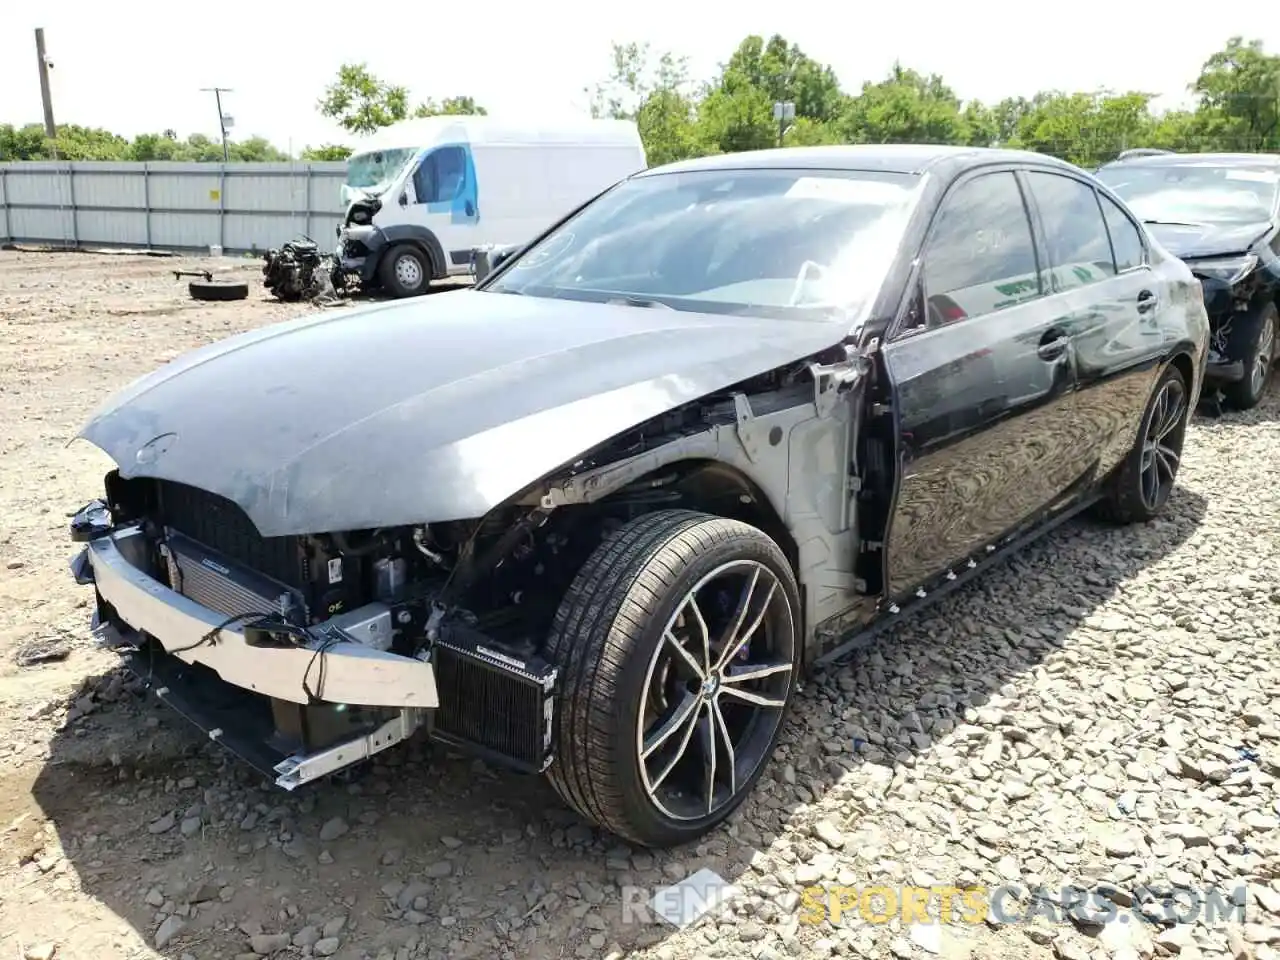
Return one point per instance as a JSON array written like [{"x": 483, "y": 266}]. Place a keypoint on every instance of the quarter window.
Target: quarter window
[
  {"x": 1075, "y": 234},
  {"x": 980, "y": 257},
  {"x": 1125, "y": 239}
]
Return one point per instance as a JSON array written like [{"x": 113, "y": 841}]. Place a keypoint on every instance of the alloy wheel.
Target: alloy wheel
[
  {"x": 715, "y": 690},
  {"x": 1262, "y": 360},
  {"x": 1162, "y": 445}
]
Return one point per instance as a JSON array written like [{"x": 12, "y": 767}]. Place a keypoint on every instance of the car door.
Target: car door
[
  {"x": 982, "y": 384},
  {"x": 1107, "y": 299}
]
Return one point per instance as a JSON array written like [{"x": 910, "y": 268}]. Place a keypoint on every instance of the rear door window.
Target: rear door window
[
  {"x": 1079, "y": 248},
  {"x": 1126, "y": 241}
]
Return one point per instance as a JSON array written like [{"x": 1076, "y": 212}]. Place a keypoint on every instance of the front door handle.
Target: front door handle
[
  {"x": 1147, "y": 301},
  {"x": 1053, "y": 344}
]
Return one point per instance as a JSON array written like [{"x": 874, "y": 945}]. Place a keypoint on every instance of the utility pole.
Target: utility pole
[
  {"x": 222, "y": 117},
  {"x": 46, "y": 94},
  {"x": 783, "y": 112}
]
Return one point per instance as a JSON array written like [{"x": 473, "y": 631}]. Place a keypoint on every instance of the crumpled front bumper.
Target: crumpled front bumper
[{"x": 352, "y": 673}]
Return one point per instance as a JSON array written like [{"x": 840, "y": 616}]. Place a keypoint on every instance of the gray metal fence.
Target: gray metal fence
[{"x": 169, "y": 206}]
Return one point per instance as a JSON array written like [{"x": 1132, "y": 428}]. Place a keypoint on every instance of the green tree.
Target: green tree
[
  {"x": 905, "y": 107},
  {"x": 23, "y": 143},
  {"x": 736, "y": 112},
  {"x": 451, "y": 106},
  {"x": 361, "y": 103},
  {"x": 1086, "y": 129},
  {"x": 654, "y": 93},
  {"x": 1239, "y": 97},
  {"x": 255, "y": 150},
  {"x": 330, "y": 151}
]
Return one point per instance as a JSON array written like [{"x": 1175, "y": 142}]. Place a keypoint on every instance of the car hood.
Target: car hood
[
  {"x": 431, "y": 409},
  {"x": 1208, "y": 239}
]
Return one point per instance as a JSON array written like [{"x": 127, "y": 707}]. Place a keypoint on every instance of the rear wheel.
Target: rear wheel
[
  {"x": 1253, "y": 340},
  {"x": 1142, "y": 484},
  {"x": 405, "y": 271},
  {"x": 678, "y": 646}
]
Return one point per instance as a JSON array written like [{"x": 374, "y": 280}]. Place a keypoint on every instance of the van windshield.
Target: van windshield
[
  {"x": 373, "y": 170},
  {"x": 804, "y": 244}
]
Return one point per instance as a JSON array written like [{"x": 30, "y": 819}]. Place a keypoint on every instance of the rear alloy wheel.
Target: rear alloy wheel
[
  {"x": 1253, "y": 339},
  {"x": 405, "y": 272},
  {"x": 1144, "y": 481},
  {"x": 678, "y": 646}
]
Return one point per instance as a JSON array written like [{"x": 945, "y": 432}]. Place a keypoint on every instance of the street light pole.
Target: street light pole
[
  {"x": 46, "y": 94},
  {"x": 783, "y": 112},
  {"x": 222, "y": 117}
]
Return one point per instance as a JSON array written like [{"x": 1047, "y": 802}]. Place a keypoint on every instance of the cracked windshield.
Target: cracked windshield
[{"x": 809, "y": 244}]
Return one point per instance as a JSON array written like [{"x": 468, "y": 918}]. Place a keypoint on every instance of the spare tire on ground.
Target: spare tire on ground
[{"x": 218, "y": 289}]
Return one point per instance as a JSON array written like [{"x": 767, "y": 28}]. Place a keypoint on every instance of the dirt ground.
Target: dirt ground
[{"x": 122, "y": 834}]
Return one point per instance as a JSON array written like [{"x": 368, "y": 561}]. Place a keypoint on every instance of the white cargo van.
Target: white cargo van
[{"x": 422, "y": 194}]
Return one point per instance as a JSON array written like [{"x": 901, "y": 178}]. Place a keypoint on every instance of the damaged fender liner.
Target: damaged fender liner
[{"x": 353, "y": 673}]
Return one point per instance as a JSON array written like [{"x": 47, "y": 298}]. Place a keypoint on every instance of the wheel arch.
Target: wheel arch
[
  {"x": 725, "y": 490},
  {"x": 721, "y": 489},
  {"x": 422, "y": 239}
]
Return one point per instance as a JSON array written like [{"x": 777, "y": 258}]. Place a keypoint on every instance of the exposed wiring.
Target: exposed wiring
[{"x": 211, "y": 637}]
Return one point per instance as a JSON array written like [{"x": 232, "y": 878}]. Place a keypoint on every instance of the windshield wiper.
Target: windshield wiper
[
  {"x": 642, "y": 302},
  {"x": 1172, "y": 223}
]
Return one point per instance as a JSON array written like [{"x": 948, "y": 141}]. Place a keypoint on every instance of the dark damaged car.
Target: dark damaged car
[
  {"x": 595, "y": 516},
  {"x": 1221, "y": 214}
]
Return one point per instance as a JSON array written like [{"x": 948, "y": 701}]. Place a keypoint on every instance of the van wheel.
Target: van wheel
[
  {"x": 678, "y": 645},
  {"x": 404, "y": 272}
]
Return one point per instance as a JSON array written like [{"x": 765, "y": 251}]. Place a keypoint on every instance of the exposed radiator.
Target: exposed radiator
[
  {"x": 492, "y": 703},
  {"x": 223, "y": 527},
  {"x": 219, "y": 583}
]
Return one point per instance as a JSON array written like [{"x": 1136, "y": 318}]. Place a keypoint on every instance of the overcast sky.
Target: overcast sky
[{"x": 137, "y": 66}]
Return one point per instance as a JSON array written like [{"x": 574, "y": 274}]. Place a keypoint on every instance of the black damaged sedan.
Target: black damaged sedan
[
  {"x": 1221, "y": 214},
  {"x": 594, "y": 517}
]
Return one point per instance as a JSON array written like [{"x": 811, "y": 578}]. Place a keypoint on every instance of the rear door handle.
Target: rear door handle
[
  {"x": 1147, "y": 301},
  {"x": 1053, "y": 344}
]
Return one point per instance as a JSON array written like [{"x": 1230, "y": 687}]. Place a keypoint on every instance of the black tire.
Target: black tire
[
  {"x": 1249, "y": 333},
  {"x": 218, "y": 289},
  {"x": 1127, "y": 499},
  {"x": 399, "y": 266},
  {"x": 607, "y": 637}
]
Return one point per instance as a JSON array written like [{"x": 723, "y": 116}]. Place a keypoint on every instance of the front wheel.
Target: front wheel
[
  {"x": 678, "y": 645},
  {"x": 1253, "y": 339},
  {"x": 404, "y": 272},
  {"x": 1142, "y": 484}
]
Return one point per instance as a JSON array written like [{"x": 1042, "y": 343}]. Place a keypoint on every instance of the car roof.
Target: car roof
[
  {"x": 907, "y": 158},
  {"x": 1199, "y": 159}
]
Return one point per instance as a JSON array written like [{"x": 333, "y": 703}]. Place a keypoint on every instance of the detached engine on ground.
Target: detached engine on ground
[{"x": 299, "y": 271}]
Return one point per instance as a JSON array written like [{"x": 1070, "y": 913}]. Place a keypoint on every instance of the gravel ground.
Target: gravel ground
[{"x": 1102, "y": 711}]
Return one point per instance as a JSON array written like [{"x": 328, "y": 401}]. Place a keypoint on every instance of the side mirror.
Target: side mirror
[
  {"x": 404, "y": 199},
  {"x": 488, "y": 258}
]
